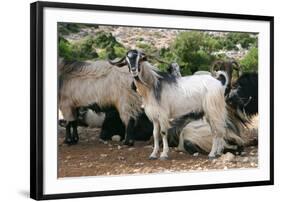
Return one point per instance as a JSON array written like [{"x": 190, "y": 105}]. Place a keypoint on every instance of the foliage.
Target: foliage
[
  {"x": 102, "y": 46},
  {"x": 81, "y": 50},
  {"x": 233, "y": 40},
  {"x": 146, "y": 48},
  {"x": 192, "y": 50},
  {"x": 250, "y": 61}
]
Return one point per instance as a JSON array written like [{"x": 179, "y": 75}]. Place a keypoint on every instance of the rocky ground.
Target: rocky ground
[
  {"x": 91, "y": 157},
  {"x": 158, "y": 38}
]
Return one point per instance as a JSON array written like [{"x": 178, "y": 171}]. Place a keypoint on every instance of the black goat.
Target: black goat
[
  {"x": 112, "y": 124},
  {"x": 244, "y": 94}
]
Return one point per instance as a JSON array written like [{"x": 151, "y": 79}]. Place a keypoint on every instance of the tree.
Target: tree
[
  {"x": 250, "y": 62},
  {"x": 192, "y": 51}
]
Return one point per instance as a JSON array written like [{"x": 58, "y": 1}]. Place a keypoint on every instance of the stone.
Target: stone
[{"x": 228, "y": 157}]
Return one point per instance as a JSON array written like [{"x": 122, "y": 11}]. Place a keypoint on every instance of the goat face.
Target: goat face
[
  {"x": 244, "y": 93},
  {"x": 133, "y": 59},
  {"x": 174, "y": 69}
]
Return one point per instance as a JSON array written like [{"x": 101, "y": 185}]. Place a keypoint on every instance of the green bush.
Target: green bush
[
  {"x": 81, "y": 50},
  {"x": 192, "y": 51},
  {"x": 146, "y": 48},
  {"x": 232, "y": 39},
  {"x": 250, "y": 61}
]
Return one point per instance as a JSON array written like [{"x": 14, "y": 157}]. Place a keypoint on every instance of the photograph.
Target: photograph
[
  {"x": 128, "y": 100},
  {"x": 137, "y": 100}
]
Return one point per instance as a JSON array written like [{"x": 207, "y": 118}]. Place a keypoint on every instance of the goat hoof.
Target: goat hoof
[
  {"x": 68, "y": 141},
  {"x": 75, "y": 140},
  {"x": 128, "y": 142},
  {"x": 212, "y": 158},
  {"x": 152, "y": 157}
]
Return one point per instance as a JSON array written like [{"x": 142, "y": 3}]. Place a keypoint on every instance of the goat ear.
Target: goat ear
[
  {"x": 143, "y": 57},
  {"x": 119, "y": 63}
]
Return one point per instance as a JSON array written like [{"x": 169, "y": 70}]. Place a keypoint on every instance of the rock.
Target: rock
[
  {"x": 103, "y": 141},
  {"x": 228, "y": 157},
  {"x": 196, "y": 154},
  {"x": 116, "y": 138},
  {"x": 103, "y": 155},
  {"x": 119, "y": 147},
  {"x": 121, "y": 158},
  {"x": 148, "y": 147},
  {"x": 131, "y": 149},
  {"x": 245, "y": 159},
  {"x": 139, "y": 164}
]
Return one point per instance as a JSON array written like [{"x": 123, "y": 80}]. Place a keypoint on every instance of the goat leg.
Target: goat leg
[
  {"x": 75, "y": 137},
  {"x": 68, "y": 139},
  {"x": 71, "y": 136},
  {"x": 129, "y": 136}
]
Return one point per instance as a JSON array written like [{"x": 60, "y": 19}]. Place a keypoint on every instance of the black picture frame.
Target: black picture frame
[{"x": 37, "y": 99}]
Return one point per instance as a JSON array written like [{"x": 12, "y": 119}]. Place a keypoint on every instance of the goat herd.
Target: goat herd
[{"x": 206, "y": 112}]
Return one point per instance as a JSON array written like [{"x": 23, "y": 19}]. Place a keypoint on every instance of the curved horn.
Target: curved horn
[
  {"x": 119, "y": 63},
  {"x": 215, "y": 65},
  {"x": 237, "y": 67}
]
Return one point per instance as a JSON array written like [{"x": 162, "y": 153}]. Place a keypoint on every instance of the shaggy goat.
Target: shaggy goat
[
  {"x": 84, "y": 83},
  {"x": 166, "y": 96},
  {"x": 242, "y": 103},
  {"x": 196, "y": 136},
  {"x": 244, "y": 94}
]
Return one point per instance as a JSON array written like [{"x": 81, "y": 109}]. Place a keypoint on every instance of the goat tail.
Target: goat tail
[{"x": 222, "y": 77}]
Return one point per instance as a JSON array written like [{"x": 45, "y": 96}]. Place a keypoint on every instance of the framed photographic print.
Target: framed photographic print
[{"x": 135, "y": 100}]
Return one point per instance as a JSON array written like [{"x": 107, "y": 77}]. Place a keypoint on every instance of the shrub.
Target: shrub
[{"x": 250, "y": 61}]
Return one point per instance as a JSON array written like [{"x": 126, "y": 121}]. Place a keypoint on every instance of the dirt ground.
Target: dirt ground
[{"x": 91, "y": 157}]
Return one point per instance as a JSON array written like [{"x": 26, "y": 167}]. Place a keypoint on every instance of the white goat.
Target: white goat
[{"x": 166, "y": 97}]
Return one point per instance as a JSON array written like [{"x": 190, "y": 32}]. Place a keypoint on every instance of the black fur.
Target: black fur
[
  {"x": 112, "y": 125},
  {"x": 71, "y": 137},
  {"x": 244, "y": 94},
  {"x": 139, "y": 129},
  {"x": 164, "y": 78},
  {"x": 192, "y": 148},
  {"x": 179, "y": 123},
  {"x": 222, "y": 79},
  {"x": 177, "y": 126}
]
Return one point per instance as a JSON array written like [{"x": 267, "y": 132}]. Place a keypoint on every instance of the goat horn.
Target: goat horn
[
  {"x": 237, "y": 67},
  {"x": 119, "y": 63},
  {"x": 214, "y": 65}
]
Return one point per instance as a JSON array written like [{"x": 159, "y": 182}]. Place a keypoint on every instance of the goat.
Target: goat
[
  {"x": 244, "y": 94},
  {"x": 242, "y": 102},
  {"x": 174, "y": 69},
  {"x": 84, "y": 83},
  {"x": 110, "y": 123},
  {"x": 166, "y": 96},
  {"x": 227, "y": 66},
  {"x": 196, "y": 136}
]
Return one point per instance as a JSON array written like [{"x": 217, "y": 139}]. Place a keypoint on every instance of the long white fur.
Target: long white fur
[
  {"x": 93, "y": 119},
  {"x": 98, "y": 82},
  {"x": 191, "y": 93}
]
